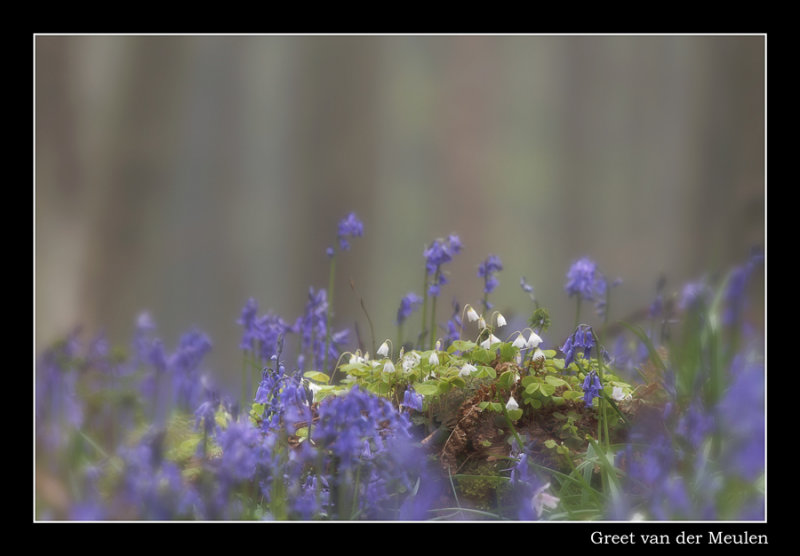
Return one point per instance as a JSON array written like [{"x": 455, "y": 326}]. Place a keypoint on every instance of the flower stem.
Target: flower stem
[{"x": 331, "y": 276}]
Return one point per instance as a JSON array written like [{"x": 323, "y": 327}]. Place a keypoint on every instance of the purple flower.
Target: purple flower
[
  {"x": 439, "y": 253},
  {"x": 454, "y": 325},
  {"x": 735, "y": 294},
  {"x": 407, "y": 305},
  {"x": 412, "y": 400},
  {"x": 526, "y": 287},
  {"x": 742, "y": 411},
  {"x": 241, "y": 451},
  {"x": 694, "y": 295},
  {"x": 583, "y": 279},
  {"x": 591, "y": 388},
  {"x": 580, "y": 341},
  {"x": 349, "y": 226},
  {"x": 249, "y": 322}
]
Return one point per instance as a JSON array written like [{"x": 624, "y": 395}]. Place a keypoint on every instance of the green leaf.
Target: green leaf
[
  {"x": 508, "y": 351},
  {"x": 514, "y": 414},
  {"x": 461, "y": 345},
  {"x": 555, "y": 363},
  {"x": 379, "y": 388},
  {"x": 428, "y": 388},
  {"x": 457, "y": 381},
  {"x": 532, "y": 387},
  {"x": 549, "y": 353},
  {"x": 555, "y": 381},
  {"x": 317, "y": 376},
  {"x": 572, "y": 394},
  {"x": 482, "y": 355},
  {"x": 484, "y": 372},
  {"x": 506, "y": 379},
  {"x": 547, "y": 389},
  {"x": 550, "y": 443}
]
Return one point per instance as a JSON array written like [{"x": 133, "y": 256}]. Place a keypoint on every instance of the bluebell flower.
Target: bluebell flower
[
  {"x": 487, "y": 271},
  {"x": 742, "y": 413},
  {"x": 439, "y": 253},
  {"x": 583, "y": 279},
  {"x": 734, "y": 297},
  {"x": 249, "y": 322},
  {"x": 580, "y": 341},
  {"x": 694, "y": 294},
  {"x": 349, "y": 226},
  {"x": 408, "y": 304},
  {"x": 526, "y": 287},
  {"x": 591, "y": 388},
  {"x": 412, "y": 400}
]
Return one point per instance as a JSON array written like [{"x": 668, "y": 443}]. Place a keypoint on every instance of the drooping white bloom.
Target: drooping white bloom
[
  {"x": 519, "y": 342},
  {"x": 533, "y": 340},
  {"x": 314, "y": 389},
  {"x": 467, "y": 370},
  {"x": 472, "y": 315},
  {"x": 542, "y": 499},
  {"x": 433, "y": 359},
  {"x": 481, "y": 323},
  {"x": 383, "y": 351},
  {"x": 512, "y": 404},
  {"x": 538, "y": 355},
  {"x": 490, "y": 341},
  {"x": 501, "y": 320},
  {"x": 410, "y": 360},
  {"x": 388, "y": 367},
  {"x": 618, "y": 394}
]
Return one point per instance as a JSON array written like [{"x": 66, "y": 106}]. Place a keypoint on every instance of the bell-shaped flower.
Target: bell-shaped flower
[
  {"x": 542, "y": 500},
  {"x": 519, "y": 342},
  {"x": 467, "y": 370},
  {"x": 501, "y": 320},
  {"x": 533, "y": 340},
  {"x": 383, "y": 351},
  {"x": 433, "y": 359},
  {"x": 388, "y": 367},
  {"x": 490, "y": 341},
  {"x": 472, "y": 315},
  {"x": 512, "y": 404}
]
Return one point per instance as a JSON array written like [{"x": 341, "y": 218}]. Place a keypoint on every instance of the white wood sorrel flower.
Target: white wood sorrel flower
[
  {"x": 533, "y": 340},
  {"x": 490, "y": 341},
  {"x": 501, "y": 320},
  {"x": 383, "y": 351},
  {"x": 472, "y": 315},
  {"x": 542, "y": 499},
  {"x": 519, "y": 342},
  {"x": 467, "y": 370},
  {"x": 512, "y": 404}
]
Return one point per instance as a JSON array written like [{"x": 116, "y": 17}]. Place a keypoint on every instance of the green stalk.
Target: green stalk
[
  {"x": 331, "y": 276},
  {"x": 433, "y": 318},
  {"x": 424, "y": 307}
]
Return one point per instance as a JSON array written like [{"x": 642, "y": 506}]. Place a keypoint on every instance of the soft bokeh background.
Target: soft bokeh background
[{"x": 184, "y": 174}]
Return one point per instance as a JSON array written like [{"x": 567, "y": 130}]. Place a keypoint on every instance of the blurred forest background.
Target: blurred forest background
[{"x": 184, "y": 174}]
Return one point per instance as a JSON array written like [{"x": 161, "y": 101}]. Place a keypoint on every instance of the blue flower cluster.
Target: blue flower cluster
[
  {"x": 440, "y": 252},
  {"x": 487, "y": 270},
  {"x": 409, "y": 302},
  {"x": 670, "y": 471},
  {"x": 581, "y": 341},
  {"x": 349, "y": 226}
]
